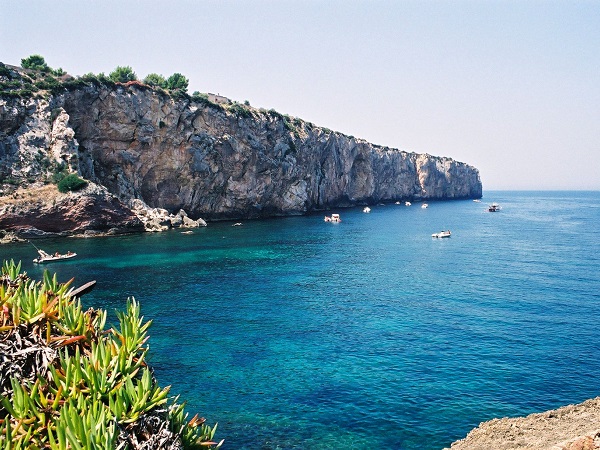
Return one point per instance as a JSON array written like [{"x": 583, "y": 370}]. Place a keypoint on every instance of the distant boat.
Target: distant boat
[
  {"x": 237, "y": 224},
  {"x": 424, "y": 205},
  {"x": 366, "y": 209},
  {"x": 407, "y": 203},
  {"x": 494, "y": 207},
  {"x": 477, "y": 200},
  {"x": 45, "y": 257},
  {"x": 334, "y": 218},
  {"x": 397, "y": 203},
  {"x": 442, "y": 234},
  {"x": 187, "y": 232}
]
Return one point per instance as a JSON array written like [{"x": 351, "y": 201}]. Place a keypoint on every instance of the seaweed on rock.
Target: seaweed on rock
[{"x": 67, "y": 383}]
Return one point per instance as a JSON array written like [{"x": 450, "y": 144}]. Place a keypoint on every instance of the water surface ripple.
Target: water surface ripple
[{"x": 294, "y": 333}]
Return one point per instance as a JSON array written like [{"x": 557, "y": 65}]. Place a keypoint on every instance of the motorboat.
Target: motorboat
[
  {"x": 46, "y": 257},
  {"x": 442, "y": 234},
  {"x": 407, "y": 203},
  {"x": 366, "y": 209},
  {"x": 424, "y": 205},
  {"x": 237, "y": 224},
  {"x": 494, "y": 207},
  {"x": 334, "y": 218},
  {"x": 477, "y": 200}
]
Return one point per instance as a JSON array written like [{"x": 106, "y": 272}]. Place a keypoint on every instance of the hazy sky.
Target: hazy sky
[{"x": 510, "y": 87}]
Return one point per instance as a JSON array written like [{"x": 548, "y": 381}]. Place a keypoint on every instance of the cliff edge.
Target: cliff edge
[{"x": 212, "y": 159}]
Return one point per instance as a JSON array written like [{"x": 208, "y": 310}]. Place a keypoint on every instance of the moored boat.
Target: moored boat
[
  {"x": 46, "y": 257},
  {"x": 424, "y": 205},
  {"x": 334, "y": 218},
  {"x": 366, "y": 209},
  {"x": 407, "y": 203}
]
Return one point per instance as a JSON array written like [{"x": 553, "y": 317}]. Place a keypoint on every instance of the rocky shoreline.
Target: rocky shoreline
[
  {"x": 42, "y": 211},
  {"x": 572, "y": 427}
]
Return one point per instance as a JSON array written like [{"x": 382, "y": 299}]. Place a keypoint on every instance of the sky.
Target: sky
[{"x": 510, "y": 87}]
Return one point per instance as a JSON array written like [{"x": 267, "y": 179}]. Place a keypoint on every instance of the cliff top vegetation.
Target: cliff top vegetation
[{"x": 35, "y": 79}]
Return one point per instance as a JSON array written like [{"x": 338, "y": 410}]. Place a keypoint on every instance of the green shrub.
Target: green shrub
[
  {"x": 179, "y": 94},
  {"x": 177, "y": 82},
  {"x": 49, "y": 83},
  {"x": 240, "y": 110},
  {"x": 4, "y": 71},
  {"x": 122, "y": 74},
  {"x": 71, "y": 182},
  {"x": 154, "y": 79},
  {"x": 35, "y": 62}
]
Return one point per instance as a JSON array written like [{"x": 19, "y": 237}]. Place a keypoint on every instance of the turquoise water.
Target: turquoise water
[{"x": 295, "y": 333}]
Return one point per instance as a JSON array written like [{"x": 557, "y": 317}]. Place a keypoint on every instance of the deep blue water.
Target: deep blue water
[{"x": 295, "y": 333}]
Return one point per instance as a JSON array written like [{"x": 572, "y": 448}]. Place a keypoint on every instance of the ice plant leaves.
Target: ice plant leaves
[{"x": 66, "y": 383}]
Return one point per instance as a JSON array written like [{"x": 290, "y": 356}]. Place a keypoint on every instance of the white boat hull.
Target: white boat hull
[{"x": 53, "y": 258}]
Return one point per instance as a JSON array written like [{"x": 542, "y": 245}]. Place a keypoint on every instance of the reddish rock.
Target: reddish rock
[{"x": 93, "y": 209}]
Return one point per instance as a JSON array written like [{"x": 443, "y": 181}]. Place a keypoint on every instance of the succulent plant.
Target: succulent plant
[{"x": 67, "y": 383}]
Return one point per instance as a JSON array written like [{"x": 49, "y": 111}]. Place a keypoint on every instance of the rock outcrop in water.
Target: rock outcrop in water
[{"x": 216, "y": 161}]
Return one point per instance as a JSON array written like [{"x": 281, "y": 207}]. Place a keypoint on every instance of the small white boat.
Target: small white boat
[
  {"x": 237, "y": 224},
  {"x": 397, "y": 203},
  {"x": 407, "y": 203},
  {"x": 424, "y": 205},
  {"x": 477, "y": 200},
  {"x": 334, "y": 218},
  {"x": 366, "y": 209},
  {"x": 45, "y": 257},
  {"x": 494, "y": 207},
  {"x": 187, "y": 232},
  {"x": 442, "y": 234}
]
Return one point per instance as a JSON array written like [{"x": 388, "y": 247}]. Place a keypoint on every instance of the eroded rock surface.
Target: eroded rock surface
[
  {"x": 187, "y": 160},
  {"x": 572, "y": 427}
]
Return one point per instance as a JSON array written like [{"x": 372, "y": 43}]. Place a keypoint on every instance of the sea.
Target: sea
[{"x": 296, "y": 333}]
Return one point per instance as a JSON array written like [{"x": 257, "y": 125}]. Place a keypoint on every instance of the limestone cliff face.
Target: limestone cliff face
[
  {"x": 220, "y": 162},
  {"x": 213, "y": 161}
]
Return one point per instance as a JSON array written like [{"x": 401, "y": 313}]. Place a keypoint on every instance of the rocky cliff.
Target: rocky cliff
[{"x": 216, "y": 161}]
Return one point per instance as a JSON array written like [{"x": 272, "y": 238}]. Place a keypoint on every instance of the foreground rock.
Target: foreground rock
[{"x": 573, "y": 427}]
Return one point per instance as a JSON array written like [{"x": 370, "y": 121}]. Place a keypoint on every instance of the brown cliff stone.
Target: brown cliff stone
[
  {"x": 572, "y": 427},
  {"x": 52, "y": 213}
]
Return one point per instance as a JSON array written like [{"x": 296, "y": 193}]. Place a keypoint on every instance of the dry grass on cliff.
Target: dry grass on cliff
[{"x": 46, "y": 193}]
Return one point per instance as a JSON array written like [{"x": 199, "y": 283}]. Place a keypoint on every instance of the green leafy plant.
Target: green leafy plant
[
  {"x": 87, "y": 387},
  {"x": 35, "y": 62},
  {"x": 177, "y": 82},
  {"x": 154, "y": 79},
  {"x": 71, "y": 182},
  {"x": 122, "y": 74}
]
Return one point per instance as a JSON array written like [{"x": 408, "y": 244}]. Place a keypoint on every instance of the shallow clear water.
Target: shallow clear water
[{"x": 295, "y": 333}]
